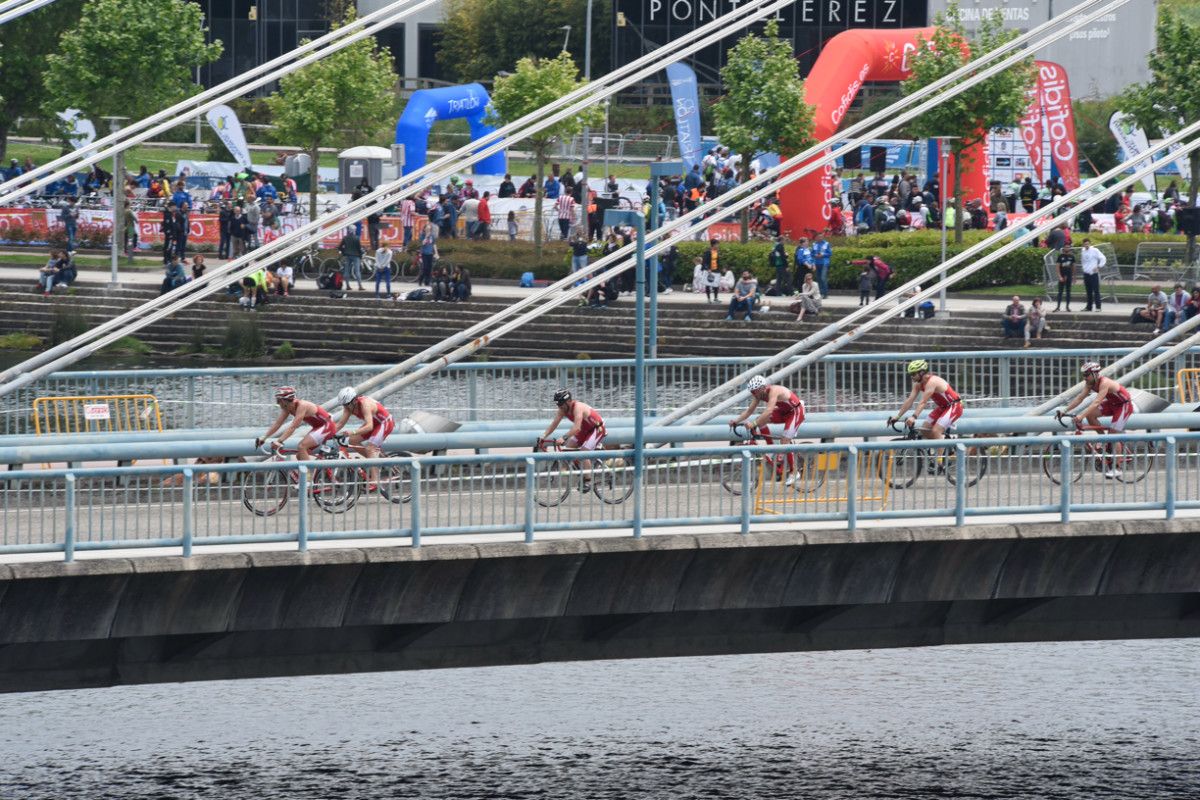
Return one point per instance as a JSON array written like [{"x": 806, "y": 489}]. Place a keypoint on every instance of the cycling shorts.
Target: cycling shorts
[
  {"x": 945, "y": 417},
  {"x": 588, "y": 438},
  {"x": 1121, "y": 415},
  {"x": 790, "y": 417},
  {"x": 381, "y": 431},
  {"x": 322, "y": 434}
]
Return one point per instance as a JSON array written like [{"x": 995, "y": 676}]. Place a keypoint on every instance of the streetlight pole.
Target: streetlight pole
[
  {"x": 117, "y": 239},
  {"x": 944, "y": 156},
  {"x": 587, "y": 134},
  {"x": 613, "y": 218}
]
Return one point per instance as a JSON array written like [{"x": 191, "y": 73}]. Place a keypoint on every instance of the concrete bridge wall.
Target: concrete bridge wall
[{"x": 146, "y": 620}]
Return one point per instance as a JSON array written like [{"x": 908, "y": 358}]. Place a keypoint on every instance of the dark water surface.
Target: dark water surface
[{"x": 1072, "y": 720}]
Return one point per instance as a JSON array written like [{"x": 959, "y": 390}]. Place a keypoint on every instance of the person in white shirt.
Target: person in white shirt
[
  {"x": 1176, "y": 304},
  {"x": 1092, "y": 261}
]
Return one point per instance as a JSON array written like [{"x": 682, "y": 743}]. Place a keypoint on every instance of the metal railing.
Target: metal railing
[
  {"x": 534, "y": 494},
  {"x": 500, "y": 390}
]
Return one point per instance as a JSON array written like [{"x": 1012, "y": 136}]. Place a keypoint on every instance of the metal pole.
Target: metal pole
[
  {"x": 944, "y": 155},
  {"x": 587, "y": 133},
  {"x": 117, "y": 240},
  {"x": 607, "y": 103},
  {"x": 639, "y": 397}
]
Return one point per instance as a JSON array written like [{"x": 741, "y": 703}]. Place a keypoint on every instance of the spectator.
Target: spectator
[
  {"x": 1137, "y": 219},
  {"x": 507, "y": 189},
  {"x": 48, "y": 275},
  {"x": 175, "y": 276},
  {"x": 131, "y": 231},
  {"x": 253, "y": 218},
  {"x": 511, "y": 224},
  {"x": 1152, "y": 312},
  {"x": 552, "y": 188},
  {"x": 1057, "y": 237},
  {"x": 1176, "y": 307},
  {"x": 169, "y": 223},
  {"x": 1035, "y": 323},
  {"x": 866, "y": 285},
  {"x": 1193, "y": 305},
  {"x": 1028, "y": 195},
  {"x": 429, "y": 254},
  {"x": 778, "y": 261},
  {"x": 666, "y": 269},
  {"x": 181, "y": 197},
  {"x": 225, "y": 229},
  {"x": 469, "y": 211},
  {"x": 441, "y": 286},
  {"x": 69, "y": 216},
  {"x": 198, "y": 267},
  {"x": 810, "y": 299},
  {"x": 712, "y": 283},
  {"x": 803, "y": 260},
  {"x": 351, "y": 251},
  {"x": 408, "y": 216},
  {"x": 822, "y": 252},
  {"x": 383, "y": 269},
  {"x": 1085, "y": 220},
  {"x": 460, "y": 283},
  {"x": 528, "y": 188},
  {"x": 448, "y": 219},
  {"x": 254, "y": 290},
  {"x": 1014, "y": 318},
  {"x": 1066, "y": 275},
  {"x": 565, "y": 204},
  {"x": 743, "y": 297},
  {"x": 579, "y": 254},
  {"x": 485, "y": 216},
  {"x": 283, "y": 278},
  {"x": 1092, "y": 261},
  {"x": 270, "y": 215}
]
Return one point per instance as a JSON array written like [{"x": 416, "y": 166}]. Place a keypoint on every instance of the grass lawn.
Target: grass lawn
[
  {"x": 37, "y": 259},
  {"x": 1028, "y": 290}
]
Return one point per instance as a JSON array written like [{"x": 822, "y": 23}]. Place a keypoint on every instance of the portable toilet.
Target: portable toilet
[{"x": 361, "y": 162}]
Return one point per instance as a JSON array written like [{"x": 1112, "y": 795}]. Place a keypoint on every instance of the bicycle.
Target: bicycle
[
  {"x": 1128, "y": 465},
  {"x": 808, "y": 464},
  {"x": 611, "y": 481},
  {"x": 909, "y": 464},
  {"x": 266, "y": 492},
  {"x": 309, "y": 265}
]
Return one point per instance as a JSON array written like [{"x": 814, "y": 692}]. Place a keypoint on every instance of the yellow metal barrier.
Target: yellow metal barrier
[
  {"x": 822, "y": 483},
  {"x": 1187, "y": 386},
  {"x": 97, "y": 414}
]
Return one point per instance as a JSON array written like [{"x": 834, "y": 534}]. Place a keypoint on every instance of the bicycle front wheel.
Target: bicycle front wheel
[
  {"x": 903, "y": 468},
  {"x": 1052, "y": 462},
  {"x": 613, "y": 481},
  {"x": 395, "y": 481},
  {"x": 335, "y": 490},
  {"x": 310, "y": 267},
  {"x": 264, "y": 493},
  {"x": 552, "y": 483},
  {"x": 976, "y": 460},
  {"x": 731, "y": 468},
  {"x": 368, "y": 267}
]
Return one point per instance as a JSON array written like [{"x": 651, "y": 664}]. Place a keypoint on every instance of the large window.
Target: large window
[{"x": 278, "y": 27}]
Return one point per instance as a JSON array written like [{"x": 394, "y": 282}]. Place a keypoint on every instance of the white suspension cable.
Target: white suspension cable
[
  {"x": 379, "y": 199},
  {"x": 905, "y": 303},
  {"x": 17, "y": 12},
  {"x": 766, "y": 179},
  {"x": 191, "y": 107}
]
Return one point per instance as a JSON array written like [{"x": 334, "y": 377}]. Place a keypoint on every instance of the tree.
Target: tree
[
  {"x": 344, "y": 99},
  {"x": 536, "y": 84},
  {"x": 1171, "y": 99},
  {"x": 482, "y": 37},
  {"x": 24, "y": 45},
  {"x": 997, "y": 102},
  {"x": 763, "y": 109},
  {"x": 128, "y": 58}
]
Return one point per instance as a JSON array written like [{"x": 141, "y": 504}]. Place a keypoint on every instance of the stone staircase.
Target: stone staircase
[{"x": 358, "y": 328}]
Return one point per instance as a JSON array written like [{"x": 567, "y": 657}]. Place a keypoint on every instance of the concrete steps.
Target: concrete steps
[{"x": 358, "y": 328}]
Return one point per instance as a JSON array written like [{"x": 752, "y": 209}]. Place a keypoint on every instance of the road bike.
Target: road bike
[
  {"x": 310, "y": 265},
  {"x": 335, "y": 489},
  {"x": 909, "y": 464},
  {"x": 809, "y": 473},
  {"x": 610, "y": 479},
  {"x": 1113, "y": 460}
]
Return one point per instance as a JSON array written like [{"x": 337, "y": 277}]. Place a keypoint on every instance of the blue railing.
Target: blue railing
[
  {"x": 542, "y": 495},
  {"x": 503, "y": 390}
]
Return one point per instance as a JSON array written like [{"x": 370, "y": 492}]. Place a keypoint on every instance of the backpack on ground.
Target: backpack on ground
[{"x": 419, "y": 294}]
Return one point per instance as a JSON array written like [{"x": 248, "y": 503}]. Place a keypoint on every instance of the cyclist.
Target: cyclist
[
  {"x": 784, "y": 408},
  {"x": 929, "y": 388},
  {"x": 587, "y": 426},
  {"x": 1112, "y": 400},
  {"x": 377, "y": 426},
  {"x": 304, "y": 412}
]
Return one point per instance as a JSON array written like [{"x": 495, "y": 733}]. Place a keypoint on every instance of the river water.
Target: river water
[{"x": 1064, "y": 720}]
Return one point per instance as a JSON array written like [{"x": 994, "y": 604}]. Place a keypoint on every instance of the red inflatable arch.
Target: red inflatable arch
[{"x": 848, "y": 61}]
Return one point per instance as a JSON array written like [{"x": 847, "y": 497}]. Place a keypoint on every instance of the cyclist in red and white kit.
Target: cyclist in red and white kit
[
  {"x": 1112, "y": 400},
  {"x": 587, "y": 426},
  {"x": 377, "y": 425},
  {"x": 929, "y": 388},
  {"x": 783, "y": 407},
  {"x": 305, "y": 412}
]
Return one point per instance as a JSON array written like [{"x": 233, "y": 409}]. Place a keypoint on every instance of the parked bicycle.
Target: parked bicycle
[
  {"x": 902, "y": 470},
  {"x": 610, "y": 479},
  {"x": 809, "y": 474},
  {"x": 1113, "y": 460},
  {"x": 310, "y": 265}
]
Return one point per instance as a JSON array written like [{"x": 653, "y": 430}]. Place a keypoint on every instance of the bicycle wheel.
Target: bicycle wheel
[
  {"x": 1051, "y": 457},
  {"x": 395, "y": 481},
  {"x": 976, "y": 464},
  {"x": 811, "y": 477},
  {"x": 335, "y": 490},
  {"x": 903, "y": 468},
  {"x": 368, "y": 267},
  {"x": 310, "y": 266},
  {"x": 1134, "y": 460},
  {"x": 330, "y": 266},
  {"x": 731, "y": 473},
  {"x": 552, "y": 483},
  {"x": 264, "y": 493},
  {"x": 407, "y": 270},
  {"x": 612, "y": 481}
]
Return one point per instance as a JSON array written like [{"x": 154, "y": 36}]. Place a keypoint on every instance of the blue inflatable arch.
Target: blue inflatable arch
[{"x": 427, "y": 106}]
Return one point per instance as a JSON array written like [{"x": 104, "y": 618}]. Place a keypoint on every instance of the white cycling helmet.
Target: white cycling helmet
[
  {"x": 756, "y": 383},
  {"x": 346, "y": 395}
]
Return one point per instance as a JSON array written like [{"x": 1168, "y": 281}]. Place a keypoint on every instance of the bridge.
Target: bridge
[{"x": 244, "y": 615}]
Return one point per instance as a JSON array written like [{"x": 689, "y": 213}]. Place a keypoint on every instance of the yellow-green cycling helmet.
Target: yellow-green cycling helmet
[{"x": 919, "y": 365}]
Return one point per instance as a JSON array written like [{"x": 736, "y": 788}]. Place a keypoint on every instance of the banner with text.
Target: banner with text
[
  {"x": 224, "y": 120},
  {"x": 1133, "y": 141},
  {"x": 686, "y": 100}
]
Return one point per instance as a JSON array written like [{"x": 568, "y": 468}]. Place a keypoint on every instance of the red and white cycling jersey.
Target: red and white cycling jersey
[
  {"x": 789, "y": 413},
  {"x": 322, "y": 425},
  {"x": 1117, "y": 404},
  {"x": 947, "y": 408},
  {"x": 591, "y": 431},
  {"x": 384, "y": 424}
]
